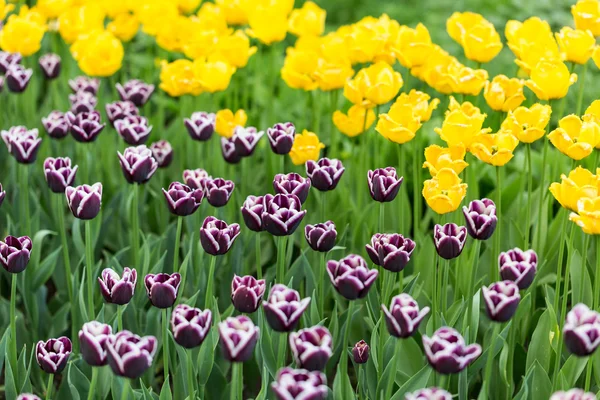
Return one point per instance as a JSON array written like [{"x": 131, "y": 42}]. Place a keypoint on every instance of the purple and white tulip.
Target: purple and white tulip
[
  {"x": 217, "y": 237},
  {"x": 247, "y": 293},
  {"x": 404, "y": 316},
  {"x": 325, "y": 174},
  {"x": 86, "y": 126},
  {"x": 218, "y": 191},
  {"x": 351, "y": 276},
  {"x": 7, "y": 60},
  {"x": 83, "y": 101},
  {"x": 162, "y": 289},
  {"x": 433, "y": 393},
  {"x": 300, "y": 384},
  {"x": 53, "y": 354},
  {"x": 56, "y": 125},
  {"x": 252, "y": 210},
  {"x": 449, "y": 240},
  {"x": 190, "y": 325},
  {"x": 116, "y": 289},
  {"x": 282, "y": 214},
  {"x": 92, "y": 342},
  {"x": 311, "y": 347},
  {"x": 481, "y": 218},
  {"x": 284, "y": 307},
  {"x": 581, "y": 330},
  {"x": 292, "y": 183},
  {"x": 245, "y": 140},
  {"x": 229, "y": 151},
  {"x": 59, "y": 173},
  {"x": 133, "y": 129},
  {"x": 15, "y": 253},
  {"x": 384, "y": 184},
  {"x": 501, "y": 300},
  {"x": 17, "y": 78},
  {"x": 200, "y": 125},
  {"x": 130, "y": 355},
  {"x": 84, "y": 200},
  {"x": 196, "y": 178},
  {"x": 447, "y": 352},
  {"x": 84, "y": 83},
  {"x": 321, "y": 237},
  {"x": 281, "y": 137},
  {"x": 391, "y": 251},
  {"x": 137, "y": 164},
  {"x": 162, "y": 153},
  {"x": 360, "y": 352},
  {"x": 136, "y": 91},
  {"x": 183, "y": 200},
  {"x": 50, "y": 65},
  {"x": 518, "y": 266},
  {"x": 238, "y": 338}
]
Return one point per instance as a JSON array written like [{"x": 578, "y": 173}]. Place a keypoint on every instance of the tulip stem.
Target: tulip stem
[
  {"x": 391, "y": 380},
  {"x": 590, "y": 364},
  {"x": 49, "y": 386},
  {"x": 281, "y": 259},
  {"x": 345, "y": 355},
  {"x": 89, "y": 261},
  {"x": 597, "y": 275},
  {"x": 581, "y": 89},
  {"x": 125, "y": 390},
  {"x": 559, "y": 273},
  {"x": 60, "y": 215},
  {"x": 323, "y": 206},
  {"x": 190, "y": 374},
  {"x": 497, "y": 236},
  {"x": 25, "y": 199},
  {"x": 322, "y": 282},
  {"x": 472, "y": 277},
  {"x": 93, "y": 383},
  {"x": 445, "y": 285},
  {"x": 538, "y": 234},
  {"x": 258, "y": 255},
  {"x": 529, "y": 188},
  {"x": 237, "y": 383},
  {"x": 434, "y": 297},
  {"x": 177, "y": 241},
  {"x": 490, "y": 360},
  {"x": 165, "y": 337},
  {"x": 209, "y": 283},
  {"x": 281, "y": 351},
  {"x": 416, "y": 183},
  {"x": 135, "y": 226},
  {"x": 382, "y": 217},
  {"x": 120, "y": 317},
  {"x": 13, "y": 325}
]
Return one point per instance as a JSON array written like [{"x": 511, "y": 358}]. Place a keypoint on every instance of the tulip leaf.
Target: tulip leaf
[
  {"x": 314, "y": 316},
  {"x": 540, "y": 384},
  {"x": 22, "y": 370},
  {"x": 9, "y": 382},
  {"x": 46, "y": 269},
  {"x": 579, "y": 276},
  {"x": 266, "y": 349},
  {"x": 540, "y": 348},
  {"x": 342, "y": 388},
  {"x": 474, "y": 326},
  {"x": 37, "y": 244},
  {"x": 165, "y": 392},
  {"x": 416, "y": 381},
  {"x": 77, "y": 379},
  {"x": 481, "y": 361},
  {"x": 264, "y": 388},
  {"x": 206, "y": 357}
]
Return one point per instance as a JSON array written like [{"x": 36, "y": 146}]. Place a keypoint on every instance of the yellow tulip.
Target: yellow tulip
[
  {"x": 332, "y": 76},
  {"x": 306, "y": 147},
  {"x": 400, "y": 124},
  {"x": 213, "y": 75},
  {"x": 422, "y": 107},
  {"x": 574, "y": 137},
  {"x": 596, "y": 56},
  {"x": 495, "y": 149},
  {"x": 459, "y": 23},
  {"x": 112, "y": 8},
  {"x": 503, "y": 93},
  {"x": 21, "y": 35},
  {"x": 365, "y": 41},
  {"x": 187, "y": 6},
  {"x": 436, "y": 56},
  {"x": 412, "y": 47},
  {"x": 531, "y": 41},
  {"x": 481, "y": 42},
  {"x": 373, "y": 85},
  {"x": 586, "y": 14},
  {"x": 268, "y": 25},
  {"x": 444, "y": 192},
  {"x": 575, "y": 45},
  {"x": 154, "y": 13},
  {"x": 99, "y": 53},
  {"x": 466, "y": 80},
  {"x": 592, "y": 113},
  {"x": 234, "y": 49},
  {"x": 463, "y": 122},
  {"x": 550, "y": 79},
  {"x": 201, "y": 44},
  {"x": 227, "y": 121},
  {"x": 75, "y": 21},
  {"x": 528, "y": 124},
  {"x": 308, "y": 20},
  {"x": 234, "y": 10},
  {"x": 298, "y": 69},
  {"x": 580, "y": 183},
  {"x": 124, "y": 26},
  {"x": 357, "y": 121},
  {"x": 50, "y": 8},
  {"x": 211, "y": 17},
  {"x": 588, "y": 215},
  {"x": 33, "y": 14},
  {"x": 437, "y": 158},
  {"x": 179, "y": 78}
]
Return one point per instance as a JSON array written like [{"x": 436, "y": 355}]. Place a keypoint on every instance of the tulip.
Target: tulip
[
  {"x": 351, "y": 276},
  {"x": 306, "y": 148},
  {"x": 118, "y": 110},
  {"x": 83, "y": 83},
  {"x": 300, "y": 69},
  {"x": 85, "y": 127},
  {"x": 162, "y": 289},
  {"x": 252, "y": 210},
  {"x": 573, "y": 394},
  {"x": 28, "y": 396},
  {"x": 582, "y": 330},
  {"x": 503, "y": 93},
  {"x": 575, "y": 138},
  {"x": 115, "y": 289},
  {"x": 190, "y": 325},
  {"x": 494, "y": 149},
  {"x": 586, "y": 14},
  {"x": 245, "y": 140},
  {"x": 196, "y": 178},
  {"x": 200, "y": 125},
  {"x": 284, "y": 308},
  {"x": 373, "y": 85},
  {"x": 501, "y": 300},
  {"x": 136, "y": 91},
  {"x": 92, "y": 340},
  {"x": 588, "y": 215},
  {"x": 311, "y": 347},
  {"x": 226, "y": 122},
  {"x": 292, "y": 183},
  {"x": 130, "y": 355},
  {"x": 82, "y": 102},
  {"x": 412, "y": 46},
  {"x": 24, "y": 147},
  {"x": 7, "y": 60},
  {"x": 447, "y": 352},
  {"x": 358, "y": 120},
  {"x": 17, "y": 78},
  {"x": 183, "y": 200},
  {"x": 229, "y": 151},
  {"x": 53, "y": 354},
  {"x": 15, "y": 253},
  {"x": 218, "y": 191},
  {"x": 360, "y": 352},
  {"x": 282, "y": 214},
  {"x": 133, "y": 129},
  {"x": 321, "y": 237},
  {"x": 445, "y": 191},
  {"x": 15, "y": 132},
  {"x": 575, "y": 45},
  {"x": 527, "y": 124},
  {"x": 391, "y": 251},
  {"x": 403, "y": 317},
  {"x": 550, "y": 79},
  {"x": 137, "y": 164},
  {"x": 246, "y": 293},
  {"x": 307, "y": 21},
  {"x": 281, "y": 137},
  {"x": 217, "y": 237},
  {"x": 437, "y": 157},
  {"x": 400, "y": 124},
  {"x": 581, "y": 183},
  {"x": 59, "y": 173},
  {"x": 238, "y": 338},
  {"x": 480, "y": 218},
  {"x": 162, "y": 153},
  {"x": 300, "y": 384},
  {"x": 384, "y": 184},
  {"x": 429, "y": 394},
  {"x": 518, "y": 266},
  {"x": 267, "y": 24},
  {"x": 481, "y": 42},
  {"x": 50, "y": 65},
  {"x": 84, "y": 200},
  {"x": 56, "y": 125},
  {"x": 324, "y": 174},
  {"x": 449, "y": 240}
]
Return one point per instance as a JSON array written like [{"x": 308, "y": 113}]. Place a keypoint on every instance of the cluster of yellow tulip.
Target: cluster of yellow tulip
[
  {"x": 23, "y": 32},
  {"x": 579, "y": 192}
]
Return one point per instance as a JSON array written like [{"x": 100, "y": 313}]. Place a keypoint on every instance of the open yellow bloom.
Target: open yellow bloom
[
  {"x": 400, "y": 124},
  {"x": 306, "y": 147},
  {"x": 50, "y": 8},
  {"x": 227, "y": 121},
  {"x": 437, "y": 158},
  {"x": 308, "y": 20},
  {"x": 33, "y": 14},
  {"x": 187, "y": 6},
  {"x": 463, "y": 122},
  {"x": 124, "y": 26},
  {"x": 153, "y": 15},
  {"x": 412, "y": 47},
  {"x": 592, "y": 113},
  {"x": 531, "y": 41},
  {"x": 112, "y": 8},
  {"x": 481, "y": 42},
  {"x": 298, "y": 69},
  {"x": 235, "y": 49},
  {"x": 75, "y": 21},
  {"x": 459, "y": 23},
  {"x": 467, "y": 80},
  {"x": 503, "y": 93},
  {"x": 444, "y": 192},
  {"x": 354, "y": 123},
  {"x": 495, "y": 149},
  {"x": 213, "y": 75},
  {"x": 376, "y": 84},
  {"x": 332, "y": 76},
  {"x": 235, "y": 11},
  {"x": 528, "y": 124},
  {"x": 420, "y": 103},
  {"x": 201, "y": 44},
  {"x": 588, "y": 215},
  {"x": 365, "y": 40},
  {"x": 581, "y": 183},
  {"x": 575, "y": 45},
  {"x": 574, "y": 137},
  {"x": 586, "y": 14},
  {"x": 211, "y": 17},
  {"x": 550, "y": 79},
  {"x": 5, "y": 9},
  {"x": 596, "y": 56},
  {"x": 98, "y": 54},
  {"x": 179, "y": 78},
  {"x": 268, "y": 25},
  {"x": 21, "y": 35}
]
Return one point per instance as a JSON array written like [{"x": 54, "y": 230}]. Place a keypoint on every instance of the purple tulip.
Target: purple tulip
[
  {"x": 92, "y": 340},
  {"x": 404, "y": 316},
  {"x": 200, "y": 125},
  {"x": 59, "y": 173},
  {"x": 321, "y": 237},
  {"x": 84, "y": 200},
  {"x": 573, "y": 394},
  {"x": 292, "y": 183},
  {"x": 518, "y": 266},
  {"x": 481, "y": 218},
  {"x": 83, "y": 83},
  {"x": 245, "y": 140},
  {"x": 162, "y": 153},
  {"x": 447, "y": 352},
  {"x": 15, "y": 253},
  {"x": 118, "y": 110},
  {"x": 162, "y": 289},
  {"x": 190, "y": 325},
  {"x": 218, "y": 191},
  {"x": 183, "y": 200},
  {"x": 391, "y": 251},
  {"x": 24, "y": 147},
  {"x": 238, "y": 338},
  {"x": 83, "y": 101},
  {"x": 351, "y": 276},
  {"x": 311, "y": 347},
  {"x": 28, "y": 396},
  {"x": 384, "y": 184},
  {"x": 300, "y": 384},
  {"x": 136, "y": 91},
  {"x": 247, "y": 293},
  {"x": 115, "y": 289},
  {"x": 284, "y": 308},
  {"x": 501, "y": 300},
  {"x": 217, "y": 237},
  {"x": 7, "y": 60},
  {"x": 281, "y": 137},
  {"x": 582, "y": 330},
  {"x": 133, "y": 129},
  {"x": 137, "y": 164},
  {"x": 17, "y": 78},
  {"x": 86, "y": 126},
  {"x": 449, "y": 240},
  {"x": 15, "y": 132},
  {"x": 429, "y": 394},
  {"x": 2, "y": 194},
  {"x": 56, "y": 125},
  {"x": 360, "y": 352},
  {"x": 196, "y": 178},
  {"x": 53, "y": 354},
  {"x": 252, "y": 210},
  {"x": 324, "y": 174},
  {"x": 50, "y": 65},
  {"x": 229, "y": 151},
  {"x": 130, "y": 355},
  {"x": 282, "y": 214}
]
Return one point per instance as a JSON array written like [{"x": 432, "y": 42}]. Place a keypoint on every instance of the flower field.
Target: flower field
[{"x": 278, "y": 199}]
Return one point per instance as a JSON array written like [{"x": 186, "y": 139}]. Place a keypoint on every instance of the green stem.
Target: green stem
[
  {"x": 237, "y": 385},
  {"x": 445, "y": 286},
  {"x": 120, "y": 317},
  {"x": 588, "y": 374},
  {"x": 165, "y": 337},
  {"x": 597, "y": 275},
  {"x": 13, "y": 326},
  {"x": 281, "y": 350},
  {"x": 177, "y": 241},
  {"x": 190, "y": 374},
  {"x": 590, "y": 363},
  {"x": 498, "y": 233},
  {"x": 401, "y": 163},
  {"x": 529, "y": 189},
  {"x": 60, "y": 215},
  {"x": 125, "y": 391},
  {"x": 538, "y": 233},
  {"x": 323, "y": 206},
  {"x": 390, "y": 385},
  {"x": 281, "y": 242},
  {"x": 321, "y": 282},
  {"x": 25, "y": 199},
  {"x": 89, "y": 261},
  {"x": 92, "y": 391},
  {"x": 344, "y": 355},
  {"x": 49, "y": 387},
  {"x": 258, "y": 255},
  {"x": 581, "y": 88},
  {"x": 488, "y": 366},
  {"x": 559, "y": 274},
  {"x": 434, "y": 300},
  {"x": 416, "y": 191},
  {"x": 472, "y": 275},
  {"x": 135, "y": 226},
  {"x": 209, "y": 283}
]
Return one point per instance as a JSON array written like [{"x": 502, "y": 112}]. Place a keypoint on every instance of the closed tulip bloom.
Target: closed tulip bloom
[
  {"x": 576, "y": 46},
  {"x": 84, "y": 83},
  {"x": 86, "y": 126},
  {"x": 162, "y": 153},
  {"x": 576, "y": 393},
  {"x": 229, "y": 151},
  {"x": 481, "y": 42},
  {"x": 391, "y": 251},
  {"x": 400, "y": 124},
  {"x": 15, "y": 132},
  {"x": 579, "y": 184},
  {"x": 133, "y": 129},
  {"x": 404, "y": 316},
  {"x": 550, "y": 79},
  {"x": 360, "y": 352},
  {"x": 447, "y": 352},
  {"x": 527, "y": 124},
  {"x": 321, "y": 237},
  {"x": 84, "y": 200},
  {"x": 518, "y": 266},
  {"x": 586, "y": 14},
  {"x": 462, "y": 124},
  {"x": 351, "y": 276},
  {"x": 59, "y": 173},
  {"x": 300, "y": 384},
  {"x": 281, "y": 137},
  {"x": 135, "y": 91},
  {"x": 118, "y": 110},
  {"x": 284, "y": 308},
  {"x": 501, "y": 300},
  {"x": 53, "y": 354},
  {"x": 82, "y": 101},
  {"x": 437, "y": 157},
  {"x": 282, "y": 214},
  {"x": 183, "y": 200},
  {"x": 354, "y": 123},
  {"x": 449, "y": 240},
  {"x": 588, "y": 215},
  {"x": 247, "y": 293},
  {"x": 292, "y": 183},
  {"x": 162, "y": 289},
  {"x": 384, "y": 184},
  {"x": 445, "y": 191},
  {"x": 325, "y": 174},
  {"x": 480, "y": 217},
  {"x": 307, "y": 21},
  {"x": 306, "y": 148},
  {"x": 17, "y": 78},
  {"x": 494, "y": 149},
  {"x": 218, "y": 191},
  {"x": 267, "y": 24},
  {"x": 252, "y": 210},
  {"x": 429, "y": 394},
  {"x": 24, "y": 147},
  {"x": 116, "y": 289},
  {"x": 56, "y": 125},
  {"x": 460, "y": 22},
  {"x": 575, "y": 138},
  {"x": 15, "y": 253},
  {"x": 200, "y": 126},
  {"x": 217, "y": 237},
  {"x": 238, "y": 338},
  {"x": 190, "y": 325},
  {"x": 28, "y": 396},
  {"x": 50, "y": 65},
  {"x": 130, "y": 355},
  {"x": 92, "y": 341},
  {"x": 503, "y": 93},
  {"x": 137, "y": 164},
  {"x": 412, "y": 46},
  {"x": 246, "y": 140},
  {"x": 7, "y": 60},
  {"x": 582, "y": 330},
  {"x": 196, "y": 178},
  {"x": 373, "y": 85},
  {"x": 311, "y": 347},
  {"x": 226, "y": 121}
]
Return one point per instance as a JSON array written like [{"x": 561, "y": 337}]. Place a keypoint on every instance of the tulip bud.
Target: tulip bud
[
  {"x": 7, "y": 60},
  {"x": 351, "y": 276},
  {"x": 15, "y": 253},
  {"x": 133, "y": 129},
  {"x": 282, "y": 214},
  {"x": 218, "y": 191},
  {"x": 196, "y": 178},
  {"x": 92, "y": 340},
  {"x": 50, "y": 65},
  {"x": 183, "y": 200},
  {"x": 245, "y": 140},
  {"x": 311, "y": 347},
  {"x": 229, "y": 151},
  {"x": 217, "y": 237},
  {"x": 501, "y": 300},
  {"x": 84, "y": 200},
  {"x": 136, "y": 91},
  {"x": 449, "y": 240},
  {"x": 321, "y": 237},
  {"x": 292, "y": 183},
  {"x": 137, "y": 164},
  {"x": 391, "y": 251},
  {"x": 403, "y": 317},
  {"x": 59, "y": 173},
  {"x": 17, "y": 78},
  {"x": 85, "y": 127},
  {"x": 2, "y": 194},
  {"x": 481, "y": 218},
  {"x": 53, "y": 354},
  {"x": 384, "y": 184},
  {"x": 284, "y": 308},
  {"x": 360, "y": 352},
  {"x": 238, "y": 338},
  {"x": 82, "y": 102},
  {"x": 162, "y": 153},
  {"x": 190, "y": 325},
  {"x": 162, "y": 289},
  {"x": 252, "y": 210},
  {"x": 118, "y": 110},
  {"x": 573, "y": 394},
  {"x": 246, "y": 293},
  {"x": 28, "y": 396},
  {"x": 429, "y": 394},
  {"x": 324, "y": 174},
  {"x": 582, "y": 330},
  {"x": 200, "y": 125},
  {"x": 300, "y": 384},
  {"x": 130, "y": 355},
  {"x": 24, "y": 147},
  {"x": 56, "y": 125},
  {"x": 447, "y": 352},
  {"x": 115, "y": 289},
  {"x": 83, "y": 83},
  {"x": 518, "y": 266},
  {"x": 281, "y": 137}
]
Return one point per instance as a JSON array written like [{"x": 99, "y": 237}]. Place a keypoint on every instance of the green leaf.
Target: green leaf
[
  {"x": 572, "y": 369},
  {"x": 266, "y": 349},
  {"x": 78, "y": 380},
  {"x": 206, "y": 357},
  {"x": 9, "y": 382},
  {"x": 165, "y": 392},
  {"x": 342, "y": 389},
  {"x": 46, "y": 269},
  {"x": 417, "y": 381},
  {"x": 474, "y": 326},
  {"x": 579, "y": 276},
  {"x": 480, "y": 362},
  {"x": 540, "y": 348},
  {"x": 262, "y": 395},
  {"x": 540, "y": 384}
]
